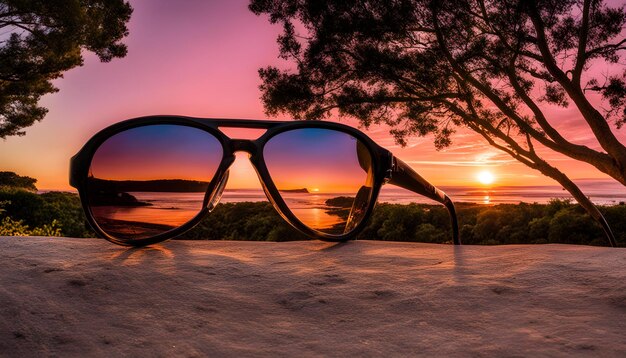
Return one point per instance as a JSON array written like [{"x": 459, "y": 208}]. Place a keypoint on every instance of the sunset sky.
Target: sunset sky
[
  {"x": 200, "y": 58},
  {"x": 158, "y": 152}
]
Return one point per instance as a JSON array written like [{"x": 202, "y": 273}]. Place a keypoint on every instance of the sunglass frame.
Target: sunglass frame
[{"x": 382, "y": 165}]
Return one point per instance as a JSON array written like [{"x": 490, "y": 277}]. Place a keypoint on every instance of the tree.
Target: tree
[
  {"x": 425, "y": 66},
  {"x": 12, "y": 180},
  {"x": 41, "y": 39}
]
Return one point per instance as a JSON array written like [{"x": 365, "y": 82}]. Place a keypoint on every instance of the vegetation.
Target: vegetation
[
  {"x": 60, "y": 214},
  {"x": 10, "y": 179},
  {"x": 48, "y": 214},
  {"x": 244, "y": 221},
  {"x": 426, "y": 66},
  {"x": 10, "y": 227},
  {"x": 41, "y": 39},
  {"x": 160, "y": 185}
]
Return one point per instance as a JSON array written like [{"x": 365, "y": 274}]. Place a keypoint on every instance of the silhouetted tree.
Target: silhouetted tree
[
  {"x": 425, "y": 66},
  {"x": 39, "y": 40},
  {"x": 12, "y": 180}
]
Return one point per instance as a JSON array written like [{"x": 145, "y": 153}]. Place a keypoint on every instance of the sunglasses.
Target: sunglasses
[{"x": 149, "y": 179}]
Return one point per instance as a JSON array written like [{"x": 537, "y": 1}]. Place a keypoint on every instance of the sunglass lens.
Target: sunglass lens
[
  {"x": 324, "y": 176},
  {"x": 148, "y": 180}
]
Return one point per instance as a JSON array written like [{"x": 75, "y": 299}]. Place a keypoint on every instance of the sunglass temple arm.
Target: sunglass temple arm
[{"x": 402, "y": 175}]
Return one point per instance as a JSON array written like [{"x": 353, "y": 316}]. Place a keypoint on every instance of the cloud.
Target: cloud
[{"x": 461, "y": 163}]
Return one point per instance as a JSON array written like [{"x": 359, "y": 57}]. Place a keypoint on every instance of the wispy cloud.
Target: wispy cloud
[{"x": 460, "y": 163}]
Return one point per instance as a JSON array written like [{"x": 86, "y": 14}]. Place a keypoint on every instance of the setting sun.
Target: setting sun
[{"x": 485, "y": 177}]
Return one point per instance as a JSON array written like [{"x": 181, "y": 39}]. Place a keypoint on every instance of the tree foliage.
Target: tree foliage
[
  {"x": 425, "y": 66},
  {"x": 12, "y": 180},
  {"x": 430, "y": 66},
  {"x": 41, "y": 39}
]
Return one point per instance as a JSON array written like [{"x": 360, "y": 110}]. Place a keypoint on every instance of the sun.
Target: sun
[
  {"x": 485, "y": 177},
  {"x": 315, "y": 190}
]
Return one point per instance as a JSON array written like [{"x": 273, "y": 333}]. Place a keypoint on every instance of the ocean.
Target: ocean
[{"x": 601, "y": 192}]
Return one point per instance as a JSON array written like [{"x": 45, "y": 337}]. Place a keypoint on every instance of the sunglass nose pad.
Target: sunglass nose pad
[{"x": 217, "y": 194}]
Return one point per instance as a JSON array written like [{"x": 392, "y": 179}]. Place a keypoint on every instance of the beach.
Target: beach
[{"x": 87, "y": 297}]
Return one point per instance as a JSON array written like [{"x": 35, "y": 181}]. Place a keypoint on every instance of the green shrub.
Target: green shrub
[
  {"x": 538, "y": 229},
  {"x": 39, "y": 210},
  {"x": 488, "y": 224},
  {"x": 243, "y": 221},
  {"x": 569, "y": 226},
  {"x": 556, "y": 205},
  {"x": 10, "y": 227},
  {"x": 54, "y": 229},
  {"x": 401, "y": 224},
  {"x": 429, "y": 233}
]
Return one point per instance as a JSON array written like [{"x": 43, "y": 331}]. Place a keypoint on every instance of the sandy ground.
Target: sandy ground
[{"x": 77, "y": 297}]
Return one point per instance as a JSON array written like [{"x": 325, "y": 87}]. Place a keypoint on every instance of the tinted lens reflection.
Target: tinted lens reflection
[
  {"x": 148, "y": 180},
  {"x": 324, "y": 176}
]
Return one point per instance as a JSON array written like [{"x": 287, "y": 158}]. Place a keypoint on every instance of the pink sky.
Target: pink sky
[{"x": 200, "y": 58}]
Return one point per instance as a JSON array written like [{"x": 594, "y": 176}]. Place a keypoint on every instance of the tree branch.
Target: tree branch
[
  {"x": 600, "y": 161},
  {"x": 579, "y": 152},
  {"x": 592, "y": 116},
  {"x": 583, "y": 35},
  {"x": 610, "y": 47}
]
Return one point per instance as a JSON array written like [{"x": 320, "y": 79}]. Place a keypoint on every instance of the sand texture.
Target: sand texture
[{"x": 86, "y": 297}]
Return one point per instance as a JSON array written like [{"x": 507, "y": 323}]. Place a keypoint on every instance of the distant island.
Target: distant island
[
  {"x": 303, "y": 190},
  {"x": 158, "y": 185},
  {"x": 116, "y": 192},
  {"x": 103, "y": 198}
]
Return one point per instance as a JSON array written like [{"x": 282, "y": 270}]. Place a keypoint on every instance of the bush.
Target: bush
[
  {"x": 616, "y": 217},
  {"x": 54, "y": 229},
  {"x": 41, "y": 210},
  {"x": 429, "y": 233},
  {"x": 10, "y": 227},
  {"x": 244, "y": 221},
  {"x": 569, "y": 226},
  {"x": 487, "y": 225},
  {"x": 401, "y": 224},
  {"x": 538, "y": 229}
]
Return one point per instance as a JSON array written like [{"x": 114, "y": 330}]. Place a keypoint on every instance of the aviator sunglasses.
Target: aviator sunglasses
[{"x": 149, "y": 179}]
